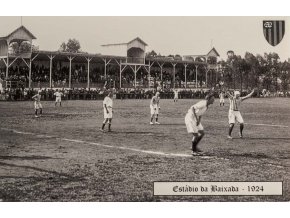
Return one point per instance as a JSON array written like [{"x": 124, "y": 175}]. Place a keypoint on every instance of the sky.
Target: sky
[{"x": 165, "y": 35}]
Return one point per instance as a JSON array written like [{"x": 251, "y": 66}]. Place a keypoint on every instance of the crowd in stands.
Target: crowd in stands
[
  {"x": 98, "y": 94},
  {"x": 60, "y": 76}
]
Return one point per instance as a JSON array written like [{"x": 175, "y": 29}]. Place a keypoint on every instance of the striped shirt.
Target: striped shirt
[{"x": 235, "y": 103}]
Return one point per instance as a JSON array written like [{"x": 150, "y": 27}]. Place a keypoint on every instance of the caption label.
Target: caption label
[{"x": 218, "y": 188}]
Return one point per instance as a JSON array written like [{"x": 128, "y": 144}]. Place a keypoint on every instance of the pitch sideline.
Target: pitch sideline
[
  {"x": 104, "y": 145},
  {"x": 118, "y": 147}
]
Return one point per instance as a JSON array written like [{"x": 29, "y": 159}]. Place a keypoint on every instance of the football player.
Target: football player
[
  {"x": 193, "y": 121},
  {"x": 57, "y": 97},
  {"x": 154, "y": 108},
  {"x": 108, "y": 111},
  {"x": 175, "y": 96},
  {"x": 234, "y": 113},
  {"x": 222, "y": 98},
  {"x": 37, "y": 104}
]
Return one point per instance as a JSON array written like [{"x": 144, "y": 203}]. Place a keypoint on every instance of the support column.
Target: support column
[
  {"x": 173, "y": 74},
  {"x": 105, "y": 73},
  {"x": 50, "y": 69},
  {"x": 149, "y": 76},
  {"x": 106, "y": 63},
  {"x": 29, "y": 79},
  {"x": 30, "y": 66},
  {"x": 121, "y": 70},
  {"x": 149, "y": 70},
  {"x": 7, "y": 67},
  {"x": 161, "y": 69},
  {"x": 185, "y": 75},
  {"x": 207, "y": 69},
  {"x": 196, "y": 83},
  {"x": 135, "y": 79},
  {"x": 206, "y": 78},
  {"x": 7, "y": 63},
  {"x": 70, "y": 58},
  {"x": 120, "y": 75},
  {"x": 135, "y": 69},
  {"x": 88, "y": 76}
]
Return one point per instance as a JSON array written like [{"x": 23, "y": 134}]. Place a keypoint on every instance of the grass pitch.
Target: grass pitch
[{"x": 63, "y": 156}]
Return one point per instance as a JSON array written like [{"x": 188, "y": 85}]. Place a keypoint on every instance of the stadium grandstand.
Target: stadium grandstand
[{"x": 32, "y": 68}]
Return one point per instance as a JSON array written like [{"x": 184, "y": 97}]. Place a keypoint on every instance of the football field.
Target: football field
[{"x": 62, "y": 156}]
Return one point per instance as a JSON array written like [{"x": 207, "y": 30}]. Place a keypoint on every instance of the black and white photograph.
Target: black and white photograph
[{"x": 144, "y": 109}]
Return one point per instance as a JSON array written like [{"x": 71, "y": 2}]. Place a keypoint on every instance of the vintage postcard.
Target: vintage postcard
[{"x": 150, "y": 109}]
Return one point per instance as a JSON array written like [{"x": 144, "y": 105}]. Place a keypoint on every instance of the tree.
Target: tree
[
  {"x": 285, "y": 76},
  {"x": 178, "y": 57},
  {"x": 151, "y": 54},
  {"x": 72, "y": 45},
  {"x": 252, "y": 73}
]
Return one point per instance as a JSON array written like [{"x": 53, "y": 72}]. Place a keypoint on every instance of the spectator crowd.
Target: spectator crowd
[{"x": 22, "y": 94}]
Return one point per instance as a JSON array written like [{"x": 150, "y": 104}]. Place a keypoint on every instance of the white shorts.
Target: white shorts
[
  {"x": 235, "y": 116},
  {"x": 154, "y": 110},
  {"x": 222, "y": 100},
  {"x": 175, "y": 96},
  {"x": 191, "y": 126},
  {"x": 108, "y": 115},
  {"x": 58, "y": 99},
  {"x": 37, "y": 105}
]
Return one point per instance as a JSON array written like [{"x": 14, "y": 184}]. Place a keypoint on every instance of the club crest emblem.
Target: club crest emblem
[{"x": 274, "y": 31}]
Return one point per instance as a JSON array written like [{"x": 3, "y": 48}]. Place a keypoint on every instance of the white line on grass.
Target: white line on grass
[
  {"x": 117, "y": 147},
  {"x": 252, "y": 124},
  {"x": 104, "y": 145}
]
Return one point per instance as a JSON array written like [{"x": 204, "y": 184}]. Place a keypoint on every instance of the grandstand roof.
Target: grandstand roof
[
  {"x": 42, "y": 54},
  {"x": 17, "y": 30},
  {"x": 126, "y": 43},
  {"x": 173, "y": 61},
  {"x": 138, "y": 39}
]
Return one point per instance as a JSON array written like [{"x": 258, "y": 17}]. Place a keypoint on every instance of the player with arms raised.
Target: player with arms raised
[
  {"x": 193, "y": 121},
  {"x": 175, "y": 95},
  {"x": 37, "y": 104},
  {"x": 154, "y": 108},
  {"x": 108, "y": 111},
  {"x": 234, "y": 113}
]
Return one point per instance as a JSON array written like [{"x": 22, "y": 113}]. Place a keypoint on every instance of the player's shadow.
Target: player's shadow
[
  {"x": 36, "y": 169},
  {"x": 250, "y": 155},
  {"x": 33, "y": 157}
]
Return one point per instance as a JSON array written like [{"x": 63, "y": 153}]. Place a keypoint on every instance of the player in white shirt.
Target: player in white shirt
[
  {"x": 222, "y": 98},
  {"x": 57, "y": 97},
  {"x": 175, "y": 96},
  {"x": 154, "y": 108},
  {"x": 234, "y": 113},
  {"x": 108, "y": 111},
  {"x": 37, "y": 104},
  {"x": 193, "y": 121}
]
